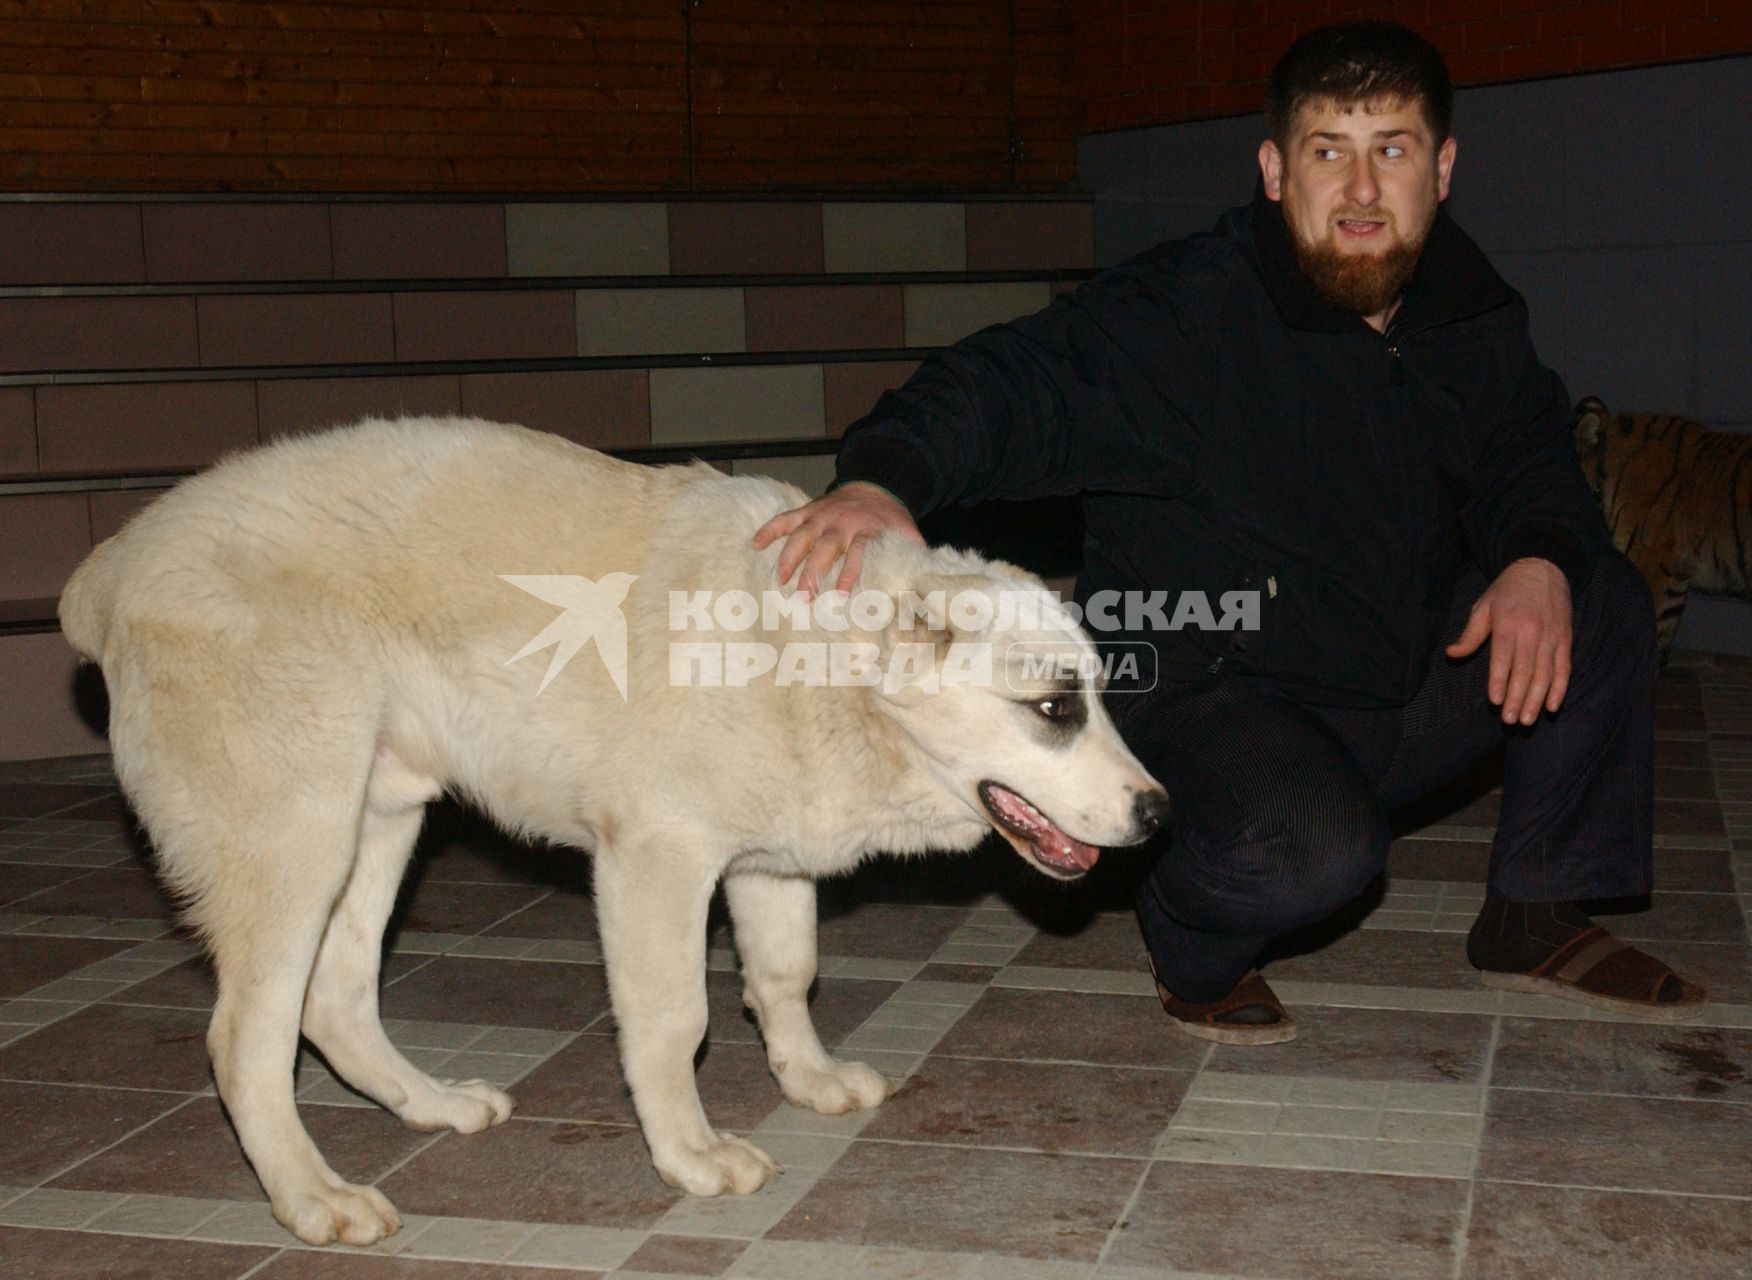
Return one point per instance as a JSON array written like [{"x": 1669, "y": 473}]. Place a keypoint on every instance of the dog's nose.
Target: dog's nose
[{"x": 1150, "y": 811}]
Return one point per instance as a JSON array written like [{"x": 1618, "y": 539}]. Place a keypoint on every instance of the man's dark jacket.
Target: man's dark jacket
[{"x": 1230, "y": 429}]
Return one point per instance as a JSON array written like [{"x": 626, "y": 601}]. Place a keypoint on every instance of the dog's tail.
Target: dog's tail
[{"x": 88, "y": 603}]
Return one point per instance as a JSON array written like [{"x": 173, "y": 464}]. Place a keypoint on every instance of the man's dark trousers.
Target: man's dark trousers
[{"x": 1279, "y": 807}]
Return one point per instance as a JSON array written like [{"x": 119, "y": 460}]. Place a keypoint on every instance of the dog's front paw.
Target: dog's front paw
[
  {"x": 727, "y": 1165},
  {"x": 338, "y": 1211},
  {"x": 848, "y": 1086}
]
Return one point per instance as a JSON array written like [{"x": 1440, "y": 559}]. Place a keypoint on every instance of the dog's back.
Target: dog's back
[{"x": 367, "y": 504}]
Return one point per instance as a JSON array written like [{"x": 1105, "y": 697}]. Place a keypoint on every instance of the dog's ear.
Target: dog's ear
[
  {"x": 1591, "y": 419},
  {"x": 930, "y": 617}
]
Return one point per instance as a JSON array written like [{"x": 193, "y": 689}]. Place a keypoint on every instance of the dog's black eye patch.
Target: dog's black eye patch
[{"x": 1060, "y": 715}]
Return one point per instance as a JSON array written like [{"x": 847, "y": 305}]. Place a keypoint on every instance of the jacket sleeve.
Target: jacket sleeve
[
  {"x": 1530, "y": 498},
  {"x": 1067, "y": 400}
]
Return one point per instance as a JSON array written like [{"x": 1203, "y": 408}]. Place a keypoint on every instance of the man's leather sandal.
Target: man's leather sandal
[
  {"x": 1597, "y": 969},
  {"x": 1251, "y": 1014}
]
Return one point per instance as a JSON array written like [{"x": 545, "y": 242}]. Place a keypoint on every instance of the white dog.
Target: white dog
[{"x": 309, "y": 642}]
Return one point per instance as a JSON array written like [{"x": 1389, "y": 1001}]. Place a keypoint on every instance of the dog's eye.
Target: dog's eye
[{"x": 1056, "y": 708}]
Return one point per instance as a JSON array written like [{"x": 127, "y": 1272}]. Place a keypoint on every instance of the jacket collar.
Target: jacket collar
[{"x": 1453, "y": 280}]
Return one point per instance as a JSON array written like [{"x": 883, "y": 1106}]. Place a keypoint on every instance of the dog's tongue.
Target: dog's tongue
[{"x": 1050, "y": 845}]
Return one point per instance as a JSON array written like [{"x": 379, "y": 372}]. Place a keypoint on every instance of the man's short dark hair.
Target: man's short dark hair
[{"x": 1351, "y": 63}]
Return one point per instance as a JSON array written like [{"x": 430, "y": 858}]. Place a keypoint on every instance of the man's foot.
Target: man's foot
[
  {"x": 1553, "y": 949},
  {"x": 1250, "y": 1014}
]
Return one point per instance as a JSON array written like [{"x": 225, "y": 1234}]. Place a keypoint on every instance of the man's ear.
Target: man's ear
[
  {"x": 1445, "y": 167},
  {"x": 1271, "y": 169}
]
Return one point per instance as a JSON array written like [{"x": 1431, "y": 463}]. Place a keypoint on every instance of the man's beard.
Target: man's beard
[{"x": 1364, "y": 283}]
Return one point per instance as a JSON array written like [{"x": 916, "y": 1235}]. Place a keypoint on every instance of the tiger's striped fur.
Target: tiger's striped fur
[{"x": 1678, "y": 500}]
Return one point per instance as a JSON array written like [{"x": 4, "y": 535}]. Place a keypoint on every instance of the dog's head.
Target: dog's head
[{"x": 992, "y": 681}]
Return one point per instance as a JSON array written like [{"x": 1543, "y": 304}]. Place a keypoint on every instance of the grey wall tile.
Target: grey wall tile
[
  {"x": 1538, "y": 277},
  {"x": 634, "y": 322},
  {"x": 1723, "y": 277},
  {"x": 1723, "y": 210},
  {"x": 608, "y": 239},
  {"x": 1509, "y": 189},
  {"x": 894, "y": 236},
  {"x": 761, "y": 402},
  {"x": 938, "y": 314},
  {"x": 1636, "y": 159},
  {"x": 1216, "y": 161},
  {"x": 1110, "y": 163},
  {"x": 1629, "y": 317},
  {"x": 810, "y": 473},
  {"x": 1126, "y": 226}
]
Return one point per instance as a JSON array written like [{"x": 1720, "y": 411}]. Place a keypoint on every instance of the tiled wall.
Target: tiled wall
[
  {"x": 138, "y": 336},
  {"x": 1619, "y": 204}
]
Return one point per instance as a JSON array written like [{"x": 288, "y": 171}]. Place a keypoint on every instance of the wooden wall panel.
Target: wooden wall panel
[{"x": 535, "y": 95}]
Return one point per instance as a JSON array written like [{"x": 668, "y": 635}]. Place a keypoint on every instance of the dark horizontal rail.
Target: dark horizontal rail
[{"x": 491, "y": 284}]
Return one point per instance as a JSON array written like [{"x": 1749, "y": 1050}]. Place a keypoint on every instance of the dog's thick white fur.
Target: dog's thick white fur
[{"x": 307, "y": 643}]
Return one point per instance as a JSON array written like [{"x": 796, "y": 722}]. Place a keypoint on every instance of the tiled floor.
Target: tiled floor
[{"x": 1051, "y": 1124}]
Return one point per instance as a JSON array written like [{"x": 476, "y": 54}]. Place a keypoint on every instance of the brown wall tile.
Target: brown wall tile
[
  {"x": 841, "y": 317},
  {"x": 1014, "y": 235},
  {"x": 70, "y": 244},
  {"x": 605, "y": 409},
  {"x": 113, "y": 508},
  {"x": 413, "y": 241},
  {"x": 744, "y": 237},
  {"x": 39, "y": 334},
  {"x": 43, "y": 537},
  {"x": 853, "y": 388},
  {"x": 142, "y": 425},
  {"x": 17, "y": 430},
  {"x": 518, "y": 324},
  {"x": 266, "y": 329},
  {"x": 38, "y": 713},
  {"x": 287, "y": 405},
  {"x": 237, "y": 241}
]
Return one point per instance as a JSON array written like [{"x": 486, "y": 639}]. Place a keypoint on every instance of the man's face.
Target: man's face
[{"x": 1359, "y": 187}]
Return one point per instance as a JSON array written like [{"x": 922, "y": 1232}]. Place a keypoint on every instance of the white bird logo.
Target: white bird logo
[{"x": 592, "y": 612}]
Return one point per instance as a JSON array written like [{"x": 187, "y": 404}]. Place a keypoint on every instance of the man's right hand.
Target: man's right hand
[{"x": 839, "y": 524}]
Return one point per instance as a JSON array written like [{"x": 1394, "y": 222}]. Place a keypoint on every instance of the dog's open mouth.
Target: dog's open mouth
[{"x": 1034, "y": 834}]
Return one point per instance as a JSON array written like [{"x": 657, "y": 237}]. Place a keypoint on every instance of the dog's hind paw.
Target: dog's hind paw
[
  {"x": 730, "y": 1165},
  {"x": 467, "y": 1106},
  {"x": 339, "y": 1211},
  {"x": 849, "y": 1086}
]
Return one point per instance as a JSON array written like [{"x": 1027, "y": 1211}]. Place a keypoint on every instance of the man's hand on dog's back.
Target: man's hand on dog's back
[{"x": 838, "y": 524}]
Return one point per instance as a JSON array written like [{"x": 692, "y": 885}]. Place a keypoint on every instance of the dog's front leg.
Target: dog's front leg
[
  {"x": 774, "y": 918},
  {"x": 651, "y": 907}
]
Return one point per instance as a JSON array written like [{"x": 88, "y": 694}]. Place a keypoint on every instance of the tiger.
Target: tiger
[{"x": 1677, "y": 497}]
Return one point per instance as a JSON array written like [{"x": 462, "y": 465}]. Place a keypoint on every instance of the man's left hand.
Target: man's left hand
[{"x": 1526, "y": 615}]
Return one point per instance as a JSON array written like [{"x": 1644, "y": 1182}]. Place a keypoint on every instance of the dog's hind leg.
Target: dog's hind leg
[
  {"x": 341, "y": 1010},
  {"x": 651, "y": 907},
  {"x": 251, "y": 789},
  {"x": 774, "y": 918},
  {"x": 264, "y": 950}
]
